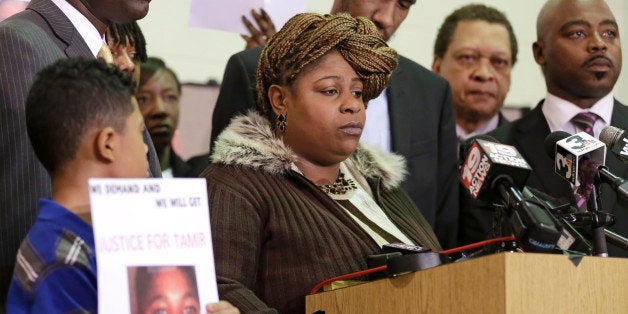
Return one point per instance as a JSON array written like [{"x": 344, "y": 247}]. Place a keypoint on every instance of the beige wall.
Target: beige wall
[{"x": 199, "y": 54}]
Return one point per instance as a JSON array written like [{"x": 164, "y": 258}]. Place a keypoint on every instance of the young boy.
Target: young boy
[{"x": 83, "y": 122}]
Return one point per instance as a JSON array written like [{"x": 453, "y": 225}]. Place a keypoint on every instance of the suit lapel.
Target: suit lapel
[
  {"x": 531, "y": 132},
  {"x": 62, "y": 28},
  {"x": 619, "y": 119},
  {"x": 400, "y": 122}
]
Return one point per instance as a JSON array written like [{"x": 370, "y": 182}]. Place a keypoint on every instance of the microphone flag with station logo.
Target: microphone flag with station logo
[
  {"x": 486, "y": 161},
  {"x": 570, "y": 151}
]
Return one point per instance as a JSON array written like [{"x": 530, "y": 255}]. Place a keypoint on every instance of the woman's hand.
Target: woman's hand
[
  {"x": 221, "y": 307},
  {"x": 260, "y": 36}
]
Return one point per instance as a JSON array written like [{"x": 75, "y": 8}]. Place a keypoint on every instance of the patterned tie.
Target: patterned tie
[
  {"x": 105, "y": 54},
  {"x": 585, "y": 121}
]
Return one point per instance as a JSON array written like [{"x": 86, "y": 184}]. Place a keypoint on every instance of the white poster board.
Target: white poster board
[
  {"x": 155, "y": 231},
  {"x": 227, "y": 15}
]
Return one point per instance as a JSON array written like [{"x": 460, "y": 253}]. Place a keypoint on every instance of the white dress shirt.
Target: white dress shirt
[
  {"x": 376, "y": 131},
  {"x": 559, "y": 112},
  {"x": 88, "y": 31}
]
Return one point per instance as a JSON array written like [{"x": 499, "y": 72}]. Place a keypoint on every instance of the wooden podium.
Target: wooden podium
[{"x": 500, "y": 283}]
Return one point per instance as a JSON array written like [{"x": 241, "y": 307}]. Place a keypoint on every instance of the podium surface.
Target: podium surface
[{"x": 499, "y": 283}]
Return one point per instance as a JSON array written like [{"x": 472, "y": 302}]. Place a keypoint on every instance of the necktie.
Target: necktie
[
  {"x": 585, "y": 121},
  {"x": 105, "y": 54}
]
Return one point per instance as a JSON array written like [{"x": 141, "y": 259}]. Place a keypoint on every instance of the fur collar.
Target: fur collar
[{"x": 249, "y": 141}]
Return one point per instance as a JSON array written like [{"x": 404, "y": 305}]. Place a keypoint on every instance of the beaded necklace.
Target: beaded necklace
[{"x": 340, "y": 186}]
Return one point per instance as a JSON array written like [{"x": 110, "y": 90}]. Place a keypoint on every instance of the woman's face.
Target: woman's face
[
  {"x": 325, "y": 111},
  {"x": 171, "y": 292},
  {"x": 158, "y": 99}
]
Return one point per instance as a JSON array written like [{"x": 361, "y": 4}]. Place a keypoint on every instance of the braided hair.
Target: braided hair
[
  {"x": 307, "y": 37},
  {"x": 128, "y": 34}
]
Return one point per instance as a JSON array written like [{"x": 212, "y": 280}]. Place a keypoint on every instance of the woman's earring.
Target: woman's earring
[{"x": 282, "y": 122}]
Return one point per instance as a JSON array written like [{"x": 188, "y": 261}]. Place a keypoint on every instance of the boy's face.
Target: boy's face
[{"x": 133, "y": 162}]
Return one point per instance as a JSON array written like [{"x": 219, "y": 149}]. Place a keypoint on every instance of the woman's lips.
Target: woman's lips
[{"x": 353, "y": 128}]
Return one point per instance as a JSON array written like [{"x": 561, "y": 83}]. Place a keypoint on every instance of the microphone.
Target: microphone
[
  {"x": 616, "y": 140},
  {"x": 568, "y": 158},
  {"x": 567, "y": 151},
  {"x": 487, "y": 162},
  {"x": 493, "y": 171},
  {"x": 576, "y": 157},
  {"x": 465, "y": 145},
  {"x": 568, "y": 216}
]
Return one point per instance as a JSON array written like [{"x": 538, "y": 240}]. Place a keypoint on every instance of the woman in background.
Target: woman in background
[
  {"x": 294, "y": 199},
  {"x": 158, "y": 96}
]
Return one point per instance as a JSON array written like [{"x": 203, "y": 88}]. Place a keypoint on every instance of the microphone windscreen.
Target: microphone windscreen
[
  {"x": 552, "y": 139},
  {"x": 610, "y": 135}
]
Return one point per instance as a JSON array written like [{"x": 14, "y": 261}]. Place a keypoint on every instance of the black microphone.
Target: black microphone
[
  {"x": 616, "y": 140},
  {"x": 493, "y": 171},
  {"x": 568, "y": 216},
  {"x": 465, "y": 145},
  {"x": 576, "y": 159},
  {"x": 486, "y": 162}
]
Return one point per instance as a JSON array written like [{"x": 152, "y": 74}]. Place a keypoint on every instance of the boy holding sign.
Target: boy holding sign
[{"x": 83, "y": 122}]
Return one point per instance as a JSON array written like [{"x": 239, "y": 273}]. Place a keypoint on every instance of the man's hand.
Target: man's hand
[{"x": 260, "y": 36}]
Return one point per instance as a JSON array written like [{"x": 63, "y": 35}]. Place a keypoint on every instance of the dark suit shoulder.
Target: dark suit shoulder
[
  {"x": 237, "y": 91},
  {"x": 504, "y": 133},
  {"x": 419, "y": 73},
  {"x": 620, "y": 115},
  {"x": 247, "y": 59},
  {"x": 533, "y": 121}
]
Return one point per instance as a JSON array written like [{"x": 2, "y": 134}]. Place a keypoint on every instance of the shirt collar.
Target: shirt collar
[
  {"x": 85, "y": 28},
  {"x": 558, "y": 112},
  {"x": 487, "y": 127}
]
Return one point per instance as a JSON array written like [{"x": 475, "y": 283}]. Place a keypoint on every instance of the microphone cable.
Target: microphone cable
[{"x": 385, "y": 267}]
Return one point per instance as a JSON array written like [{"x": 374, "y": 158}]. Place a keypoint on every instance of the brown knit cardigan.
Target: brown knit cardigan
[{"x": 276, "y": 234}]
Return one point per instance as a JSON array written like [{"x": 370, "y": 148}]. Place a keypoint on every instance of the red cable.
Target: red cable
[
  {"x": 380, "y": 268},
  {"x": 348, "y": 276},
  {"x": 477, "y": 244}
]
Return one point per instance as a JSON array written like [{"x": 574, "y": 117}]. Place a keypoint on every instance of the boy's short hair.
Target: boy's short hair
[{"x": 70, "y": 97}]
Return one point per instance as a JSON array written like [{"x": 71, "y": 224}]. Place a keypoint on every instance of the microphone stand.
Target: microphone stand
[
  {"x": 599, "y": 238},
  {"x": 616, "y": 239}
]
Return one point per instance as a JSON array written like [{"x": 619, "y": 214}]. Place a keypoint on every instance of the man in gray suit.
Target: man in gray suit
[
  {"x": 45, "y": 32},
  {"x": 412, "y": 117}
]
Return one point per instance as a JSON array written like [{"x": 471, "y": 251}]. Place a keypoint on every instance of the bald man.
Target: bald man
[{"x": 579, "y": 52}]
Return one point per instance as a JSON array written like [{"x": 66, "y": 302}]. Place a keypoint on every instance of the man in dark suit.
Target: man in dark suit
[
  {"x": 475, "y": 50},
  {"x": 45, "y": 32},
  {"x": 417, "y": 120},
  {"x": 579, "y": 52}
]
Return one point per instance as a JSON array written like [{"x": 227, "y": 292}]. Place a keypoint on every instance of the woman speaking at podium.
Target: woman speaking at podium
[{"x": 294, "y": 199}]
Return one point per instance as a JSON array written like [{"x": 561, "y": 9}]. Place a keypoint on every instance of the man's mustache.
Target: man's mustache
[{"x": 595, "y": 58}]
